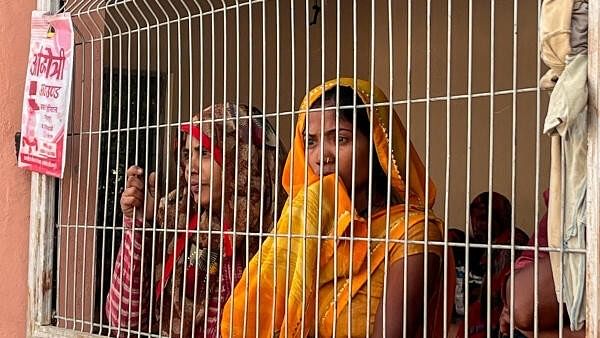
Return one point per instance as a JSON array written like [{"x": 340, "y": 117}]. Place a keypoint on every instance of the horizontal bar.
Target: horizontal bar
[
  {"x": 284, "y": 113},
  {"x": 305, "y": 236}
]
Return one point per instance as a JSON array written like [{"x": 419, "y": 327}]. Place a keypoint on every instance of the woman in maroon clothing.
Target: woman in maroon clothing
[
  {"x": 548, "y": 307},
  {"x": 230, "y": 191}
]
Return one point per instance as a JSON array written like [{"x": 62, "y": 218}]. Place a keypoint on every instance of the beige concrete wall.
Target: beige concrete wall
[
  {"x": 233, "y": 49},
  {"x": 15, "y": 19}
]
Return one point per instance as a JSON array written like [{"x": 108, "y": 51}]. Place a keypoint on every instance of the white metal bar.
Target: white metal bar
[
  {"x": 490, "y": 169},
  {"x": 87, "y": 185},
  {"x": 468, "y": 164},
  {"x": 353, "y": 184},
  {"x": 306, "y": 125},
  {"x": 448, "y": 157},
  {"x": 237, "y": 158},
  {"x": 249, "y": 169},
  {"x": 167, "y": 171},
  {"x": 427, "y": 172},
  {"x": 277, "y": 121},
  {"x": 538, "y": 131},
  {"x": 262, "y": 177},
  {"x": 78, "y": 193},
  {"x": 388, "y": 165},
  {"x": 97, "y": 180},
  {"x": 143, "y": 253},
  {"x": 178, "y": 161},
  {"x": 292, "y": 94},
  {"x": 106, "y": 180},
  {"x": 116, "y": 170},
  {"x": 221, "y": 231},
  {"x": 407, "y": 163},
  {"x": 513, "y": 159},
  {"x": 196, "y": 303},
  {"x": 127, "y": 143},
  {"x": 188, "y": 179},
  {"x": 337, "y": 158},
  {"x": 212, "y": 129},
  {"x": 370, "y": 192},
  {"x": 376, "y": 105}
]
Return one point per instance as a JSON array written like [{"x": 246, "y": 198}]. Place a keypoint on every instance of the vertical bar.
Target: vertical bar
[
  {"x": 237, "y": 153},
  {"x": 167, "y": 179},
  {"x": 468, "y": 164},
  {"x": 407, "y": 163},
  {"x": 109, "y": 132},
  {"x": 87, "y": 186},
  {"x": 277, "y": 123},
  {"x": 178, "y": 156},
  {"x": 513, "y": 161},
  {"x": 219, "y": 302},
  {"x": 248, "y": 233},
  {"x": 353, "y": 184},
  {"x": 448, "y": 157},
  {"x": 203, "y": 302},
  {"x": 538, "y": 131},
  {"x": 562, "y": 242},
  {"x": 305, "y": 211},
  {"x": 321, "y": 133},
  {"x": 136, "y": 161},
  {"x": 592, "y": 268},
  {"x": 370, "y": 193},
  {"x": 154, "y": 229},
  {"x": 491, "y": 170},
  {"x": 127, "y": 137},
  {"x": 95, "y": 229},
  {"x": 389, "y": 162},
  {"x": 427, "y": 173},
  {"x": 292, "y": 96},
  {"x": 70, "y": 194},
  {"x": 188, "y": 181},
  {"x": 262, "y": 177},
  {"x": 212, "y": 127},
  {"x": 78, "y": 196}
]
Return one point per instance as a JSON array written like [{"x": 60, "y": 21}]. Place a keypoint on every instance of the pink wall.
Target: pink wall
[{"x": 14, "y": 185}]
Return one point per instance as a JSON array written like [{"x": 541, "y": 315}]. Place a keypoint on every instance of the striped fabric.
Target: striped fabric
[{"x": 123, "y": 306}]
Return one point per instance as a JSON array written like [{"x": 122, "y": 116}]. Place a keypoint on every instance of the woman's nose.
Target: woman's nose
[{"x": 193, "y": 166}]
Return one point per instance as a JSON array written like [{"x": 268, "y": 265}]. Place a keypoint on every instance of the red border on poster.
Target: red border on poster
[{"x": 47, "y": 96}]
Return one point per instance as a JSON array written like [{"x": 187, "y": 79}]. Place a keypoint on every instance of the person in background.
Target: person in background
[
  {"x": 457, "y": 236},
  {"x": 322, "y": 248},
  {"x": 194, "y": 271},
  {"x": 524, "y": 298},
  {"x": 478, "y": 276}
]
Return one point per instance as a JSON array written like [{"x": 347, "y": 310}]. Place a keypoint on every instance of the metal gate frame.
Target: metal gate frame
[{"x": 42, "y": 214}]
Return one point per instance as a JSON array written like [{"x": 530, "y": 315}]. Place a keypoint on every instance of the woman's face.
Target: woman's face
[
  {"x": 197, "y": 163},
  {"x": 327, "y": 138}
]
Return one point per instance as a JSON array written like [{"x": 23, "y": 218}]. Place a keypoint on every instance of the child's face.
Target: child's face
[
  {"x": 315, "y": 137},
  {"x": 197, "y": 163}
]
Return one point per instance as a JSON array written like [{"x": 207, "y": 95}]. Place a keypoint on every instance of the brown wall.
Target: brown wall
[{"x": 15, "y": 187}]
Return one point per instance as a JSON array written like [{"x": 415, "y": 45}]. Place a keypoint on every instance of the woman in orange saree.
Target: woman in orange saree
[{"x": 322, "y": 270}]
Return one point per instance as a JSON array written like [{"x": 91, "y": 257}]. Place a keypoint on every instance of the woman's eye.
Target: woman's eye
[
  {"x": 205, "y": 153},
  {"x": 343, "y": 139},
  {"x": 310, "y": 142},
  {"x": 185, "y": 154}
]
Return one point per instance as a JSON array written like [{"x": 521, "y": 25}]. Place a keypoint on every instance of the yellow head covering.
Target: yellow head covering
[
  {"x": 282, "y": 278},
  {"x": 381, "y": 127}
]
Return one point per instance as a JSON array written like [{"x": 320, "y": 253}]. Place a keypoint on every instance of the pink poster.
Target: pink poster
[{"x": 47, "y": 94}]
